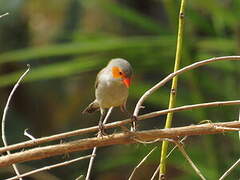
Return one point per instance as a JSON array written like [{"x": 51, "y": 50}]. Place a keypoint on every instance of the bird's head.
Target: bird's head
[{"x": 121, "y": 69}]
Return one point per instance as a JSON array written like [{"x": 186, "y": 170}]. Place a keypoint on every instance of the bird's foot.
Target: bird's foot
[
  {"x": 134, "y": 123},
  {"x": 101, "y": 131}
]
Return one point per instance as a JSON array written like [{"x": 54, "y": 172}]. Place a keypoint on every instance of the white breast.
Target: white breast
[{"x": 110, "y": 92}]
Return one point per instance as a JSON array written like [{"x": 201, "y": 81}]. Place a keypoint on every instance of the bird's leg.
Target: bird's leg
[
  {"x": 131, "y": 116},
  {"x": 100, "y": 124},
  {"x": 134, "y": 123}
]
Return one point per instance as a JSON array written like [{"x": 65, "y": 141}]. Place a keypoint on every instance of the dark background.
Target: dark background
[{"x": 67, "y": 42}]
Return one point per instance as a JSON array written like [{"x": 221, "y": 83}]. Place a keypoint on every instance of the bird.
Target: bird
[{"x": 111, "y": 88}]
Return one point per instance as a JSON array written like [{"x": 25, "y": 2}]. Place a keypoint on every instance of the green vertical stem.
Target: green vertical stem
[{"x": 172, "y": 100}]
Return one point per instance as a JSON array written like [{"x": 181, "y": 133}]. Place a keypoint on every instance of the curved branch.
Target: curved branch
[
  {"x": 114, "y": 124},
  {"x": 180, "y": 71},
  {"x": 4, "y": 139},
  {"x": 119, "y": 138}
]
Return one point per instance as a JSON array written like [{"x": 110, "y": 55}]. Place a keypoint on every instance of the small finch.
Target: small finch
[{"x": 111, "y": 88}]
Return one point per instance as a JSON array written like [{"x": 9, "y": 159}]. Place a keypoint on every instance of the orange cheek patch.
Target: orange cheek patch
[{"x": 116, "y": 72}]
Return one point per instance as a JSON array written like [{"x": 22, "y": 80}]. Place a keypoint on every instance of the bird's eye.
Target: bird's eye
[{"x": 117, "y": 72}]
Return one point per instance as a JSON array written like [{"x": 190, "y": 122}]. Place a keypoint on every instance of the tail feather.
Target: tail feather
[{"x": 93, "y": 107}]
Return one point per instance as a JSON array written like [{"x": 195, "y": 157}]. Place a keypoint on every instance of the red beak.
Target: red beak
[{"x": 127, "y": 82}]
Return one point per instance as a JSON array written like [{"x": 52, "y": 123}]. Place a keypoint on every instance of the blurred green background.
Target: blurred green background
[{"x": 67, "y": 42}]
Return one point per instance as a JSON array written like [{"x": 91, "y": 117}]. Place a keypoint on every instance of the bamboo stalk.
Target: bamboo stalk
[{"x": 172, "y": 100}]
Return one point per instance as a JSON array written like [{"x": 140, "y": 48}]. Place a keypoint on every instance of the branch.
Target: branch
[
  {"x": 4, "y": 15},
  {"x": 115, "y": 124},
  {"x": 50, "y": 167},
  {"x": 28, "y": 135},
  {"x": 119, "y": 138},
  {"x": 155, "y": 172},
  {"x": 5, "y": 114},
  {"x": 180, "y": 71},
  {"x": 230, "y": 170}
]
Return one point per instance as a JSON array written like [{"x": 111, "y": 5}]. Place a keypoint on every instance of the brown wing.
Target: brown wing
[
  {"x": 96, "y": 81},
  {"x": 94, "y": 106}
]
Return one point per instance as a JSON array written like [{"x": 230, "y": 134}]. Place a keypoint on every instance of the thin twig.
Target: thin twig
[
  {"x": 180, "y": 147},
  {"x": 114, "y": 139},
  {"x": 5, "y": 114},
  {"x": 183, "y": 139},
  {"x": 182, "y": 150},
  {"x": 155, "y": 173},
  {"x": 237, "y": 162},
  {"x": 152, "y": 141},
  {"x": 95, "y": 148},
  {"x": 50, "y": 167},
  {"x": 149, "y": 142},
  {"x": 157, "y": 170},
  {"x": 90, "y": 164},
  {"x": 226, "y": 128},
  {"x": 230, "y": 170},
  {"x": 80, "y": 177},
  {"x": 28, "y": 135},
  {"x": 115, "y": 124},
  {"x": 4, "y": 15},
  {"x": 140, "y": 163}
]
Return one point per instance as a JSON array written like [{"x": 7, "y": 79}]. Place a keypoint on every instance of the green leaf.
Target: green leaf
[
  {"x": 51, "y": 71},
  {"x": 85, "y": 48}
]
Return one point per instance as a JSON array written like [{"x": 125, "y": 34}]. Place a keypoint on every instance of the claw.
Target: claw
[
  {"x": 101, "y": 132},
  {"x": 134, "y": 123}
]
